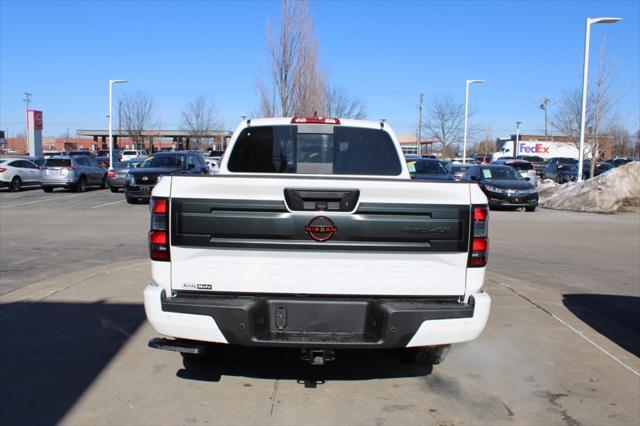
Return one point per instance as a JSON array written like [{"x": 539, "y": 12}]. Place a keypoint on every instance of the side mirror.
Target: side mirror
[
  {"x": 472, "y": 177},
  {"x": 527, "y": 178},
  {"x": 191, "y": 166}
]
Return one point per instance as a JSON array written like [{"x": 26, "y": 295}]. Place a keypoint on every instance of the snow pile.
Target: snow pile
[
  {"x": 617, "y": 190},
  {"x": 546, "y": 188}
]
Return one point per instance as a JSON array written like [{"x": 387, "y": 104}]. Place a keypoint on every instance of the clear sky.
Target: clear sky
[{"x": 384, "y": 52}]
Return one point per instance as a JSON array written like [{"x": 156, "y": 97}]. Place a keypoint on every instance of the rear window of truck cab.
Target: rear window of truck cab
[{"x": 315, "y": 149}]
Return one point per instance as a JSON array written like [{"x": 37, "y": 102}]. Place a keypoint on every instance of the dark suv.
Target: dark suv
[
  {"x": 551, "y": 171},
  {"x": 141, "y": 180}
]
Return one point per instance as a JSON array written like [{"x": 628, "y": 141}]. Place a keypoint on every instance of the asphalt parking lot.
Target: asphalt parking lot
[{"x": 562, "y": 345}]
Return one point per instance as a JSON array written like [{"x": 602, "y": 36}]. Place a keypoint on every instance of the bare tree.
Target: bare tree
[
  {"x": 601, "y": 116},
  {"x": 487, "y": 145},
  {"x": 622, "y": 141},
  {"x": 567, "y": 118},
  {"x": 343, "y": 105},
  {"x": 445, "y": 123},
  {"x": 296, "y": 84},
  {"x": 138, "y": 115},
  {"x": 200, "y": 118}
]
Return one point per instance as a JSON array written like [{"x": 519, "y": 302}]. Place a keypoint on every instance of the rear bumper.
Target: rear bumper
[
  {"x": 67, "y": 181},
  {"x": 116, "y": 182},
  {"x": 70, "y": 184},
  {"x": 316, "y": 322}
]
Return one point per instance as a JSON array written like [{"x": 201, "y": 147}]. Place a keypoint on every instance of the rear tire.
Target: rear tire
[
  {"x": 132, "y": 200},
  {"x": 16, "y": 184},
  {"x": 114, "y": 189},
  {"x": 47, "y": 189},
  {"x": 530, "y": 209},
  {"x": 81, "y": 185}
]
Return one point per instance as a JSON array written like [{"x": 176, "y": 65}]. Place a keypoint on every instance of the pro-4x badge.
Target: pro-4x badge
[{"x": 321, "y": 228}]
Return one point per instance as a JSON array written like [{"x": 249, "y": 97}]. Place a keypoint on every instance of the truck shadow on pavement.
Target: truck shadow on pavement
[
  {"x": 285, "y": 364},
  {"x": 613, "y": 316},
  {"x": 52, "y": 351}
]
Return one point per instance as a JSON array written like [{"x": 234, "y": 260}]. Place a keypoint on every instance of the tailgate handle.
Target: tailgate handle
[{"x": 321, "y": 200}]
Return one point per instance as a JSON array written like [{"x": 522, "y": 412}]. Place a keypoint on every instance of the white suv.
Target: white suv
[
  {"x": 18, "y": 172},
  {"x": 130, "y": 154}
]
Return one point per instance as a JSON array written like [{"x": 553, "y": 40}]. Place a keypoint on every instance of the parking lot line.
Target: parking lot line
[
  {"x": 570, "y": 327},
  {"x": 40, "y": 201},
  {"x": 107, "y": 204}
]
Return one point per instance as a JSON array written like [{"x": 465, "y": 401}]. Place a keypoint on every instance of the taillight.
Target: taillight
[
  {"x": 111, "y": 174},
  {"x": 479, "y": 245},
  {"x": 480, "y": 213},
  {"x": 2, "y": 170},
  {"x": 70, "y": 168},
  {"x": 314, "y": 120},
  {"x": 158, "y": 235}
]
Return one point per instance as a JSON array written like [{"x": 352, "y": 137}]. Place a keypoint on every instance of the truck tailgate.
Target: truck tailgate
[{"x": 305, "y": 235}]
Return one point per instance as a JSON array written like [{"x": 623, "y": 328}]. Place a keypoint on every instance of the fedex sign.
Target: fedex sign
[{"x": 534, "y": 148}]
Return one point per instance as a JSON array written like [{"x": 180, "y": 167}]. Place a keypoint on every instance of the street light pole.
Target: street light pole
[
  {"x": 585, "y": 79},
  {"x": 111, "y": 83},
  {"x": 516, "y": 149},
  {"x": 466, "y": 118},
  {"x": 419, "y": 138},
  {"x": 27, "y": 100}
]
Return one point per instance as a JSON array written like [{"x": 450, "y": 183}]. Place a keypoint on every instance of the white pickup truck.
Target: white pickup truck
[{"x": 313, "y": 236}]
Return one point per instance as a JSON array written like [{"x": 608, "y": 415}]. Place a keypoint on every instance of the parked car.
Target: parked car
[
  {"x": 617, "y": 162},
  {"x": 18, "y": 172},
  {"x": 551, "y": 170},
  {"x": 444, "y": 163},
  {"x": 482, "y": 159},
  {"x": 141, "y": 180},
  {"x": 37, "y": 160},
  {"x": 129, "y": 154},
  {"x": 47, "y": 154},
  {"x": 427, "y": 168},
  {"x": 457, "y": 170},
  {"x": 503, "y": 186},
  {"x": 213, "y": 163},
  {"x": 468, "y": 160},
  {"x": 83, "y": 152},
  {"x": 76, "y": 173},
  {"x": 117, "y": 154},
  {"x": 601, "y": 167},
  {"x": 523, "y": 167},
  {"x": 538, "y": 162},
  {"x": 117, "y": 176},
  {"x": 565, "y": 173}
]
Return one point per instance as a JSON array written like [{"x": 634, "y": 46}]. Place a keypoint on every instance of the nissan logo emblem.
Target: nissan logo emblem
[{"x": 321, "y": 228}]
